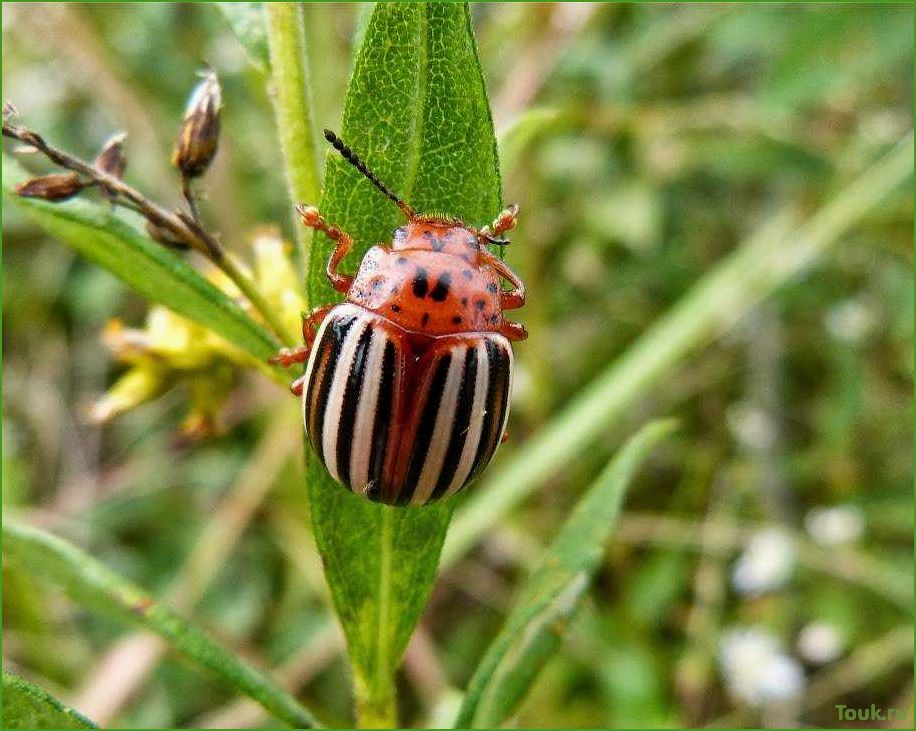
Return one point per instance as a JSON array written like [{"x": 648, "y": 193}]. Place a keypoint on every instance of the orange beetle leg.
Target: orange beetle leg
[
  {"x": 313, "y": 219},
  {"x": 297, "y": 386},
  {"x": 513, "y": 330},
  {"x": 515, "y": 297}
]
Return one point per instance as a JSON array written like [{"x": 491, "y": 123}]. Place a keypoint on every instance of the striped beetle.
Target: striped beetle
[{"x": 405, "y": 394}]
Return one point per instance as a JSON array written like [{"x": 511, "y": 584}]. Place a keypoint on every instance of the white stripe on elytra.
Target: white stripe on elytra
[
  {"x": 442, "y": 432},
  {"x": 361, "y": 451},
  {"x": 334, "y": 408},
  {"x": 478, "y": 415},
  {"x": 310, "y": 366}
]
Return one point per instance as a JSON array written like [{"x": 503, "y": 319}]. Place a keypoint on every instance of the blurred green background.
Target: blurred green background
[{"x": 763, "y": 568}]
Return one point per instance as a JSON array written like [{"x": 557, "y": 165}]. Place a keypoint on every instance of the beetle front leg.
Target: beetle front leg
[
  {"x": 513, "y": 330},
  {"x": 515, "y": 297},
  {"x": 290, "y": 356},
  {"x": 344, "y": 242}
]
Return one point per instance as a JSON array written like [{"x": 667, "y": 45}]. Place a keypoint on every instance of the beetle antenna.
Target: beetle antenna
[{"x": 352, "y": 158}]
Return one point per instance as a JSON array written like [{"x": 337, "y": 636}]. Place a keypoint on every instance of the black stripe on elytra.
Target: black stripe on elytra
[
  {"x": 352, "y": 392},
  {"x": 425, "y": 428},
  {"x": 420, "y": 283},
  {"x": 495, "y": 404},
  {"x": 460, "y": 425},
  {"x": 382, "y": 424},
  {"x": 335, "y": 334}
]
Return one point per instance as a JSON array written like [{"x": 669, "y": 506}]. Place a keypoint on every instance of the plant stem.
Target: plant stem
[
  {"x": 292, "y": 105},
  {"x": 375, "y": 703}
]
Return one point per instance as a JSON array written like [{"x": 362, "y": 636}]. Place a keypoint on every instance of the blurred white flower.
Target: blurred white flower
[
  {"x": 851, "y": 321},
  {"x": 766, "y": 563},
  {"x": 755, "y": 668},
  {"x": 835, "y": 526},
  {"x": 819, "y": 643},
  {"x": 751, "y": 426}
]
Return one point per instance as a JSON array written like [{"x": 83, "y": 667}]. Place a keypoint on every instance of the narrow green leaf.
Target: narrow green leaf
[
  {"x": 102, "y": 236},
  {"x": 247, "y": 22},
  {"x": 532, "y": 631},
  {"x": 27, "y": 706},
  {"x": 92, "y": 584},
  {"x": 417, "y": 112}
]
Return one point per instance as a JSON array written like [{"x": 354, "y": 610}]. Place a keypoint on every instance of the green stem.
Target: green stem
[
  {"x": 247, "y": 287},
  {"x": 375, "y": 703},
  {"x": 772, "y": 257},
  {"x": 292, "y": 105}
]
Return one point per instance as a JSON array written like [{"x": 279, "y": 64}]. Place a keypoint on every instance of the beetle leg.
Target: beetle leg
[
  {"x": 505, "y": 437},
  {"x": 505, "y": 221},
  {"x": 311, "y": 321},
  {"x": 515, "y": 297},
  {"x": 344, "y": 242},
  {"x": 297, "y": 386},
  {"x": 513, "y": 330},
  {"x": 287, "y": 357}
]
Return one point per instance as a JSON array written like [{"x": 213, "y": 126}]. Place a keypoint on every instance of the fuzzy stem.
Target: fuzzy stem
[{"x": 292, "y": 104}]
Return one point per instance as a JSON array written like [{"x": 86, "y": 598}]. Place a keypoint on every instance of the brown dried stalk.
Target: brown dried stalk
[{"x": 177, "y": 226}]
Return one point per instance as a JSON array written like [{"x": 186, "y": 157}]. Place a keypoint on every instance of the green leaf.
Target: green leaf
[
  {"x": 247, "y": 22},
  {"x": 417, "y": 113},
  {"x": 104, "y": 237},
  {"x": 532, "y": 631},
  {"x": 92, "y": 584},
  {"x": 27, "y": 706}
]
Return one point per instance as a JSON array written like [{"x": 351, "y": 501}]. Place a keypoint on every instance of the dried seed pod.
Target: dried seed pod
[
  {"x": 55, "y": 187},
  {"x": 198, "y": 138},
  {"x": 165, "y": 237},
  {"x": 112, "y": 159}
]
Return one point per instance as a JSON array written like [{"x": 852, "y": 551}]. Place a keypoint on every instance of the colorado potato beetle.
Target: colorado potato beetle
[{"x": 405, "y": 395}]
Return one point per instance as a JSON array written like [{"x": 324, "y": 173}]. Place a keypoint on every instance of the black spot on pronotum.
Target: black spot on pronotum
[
  {"x": 424, "y": 321},
  {"x": 437, "y": 244},
  {"x": 440, "y": 291},
  {"x": 492, "y": 288},
  {"x": 467, "y": 274},
  {"x": 480, "y": 304},
  {"x": 420, "y": 283},
  {"x": 464, "y": 301},
  {"x": 457, "y": 320},
  {"x": 494, "y": 319},
  {"x": 401, "y": 260},
  {"x": 395, "y": 308}
]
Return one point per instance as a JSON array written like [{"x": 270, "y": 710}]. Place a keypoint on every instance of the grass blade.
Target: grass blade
[
  {"x": 769, "y": 259},
  {"x": 532, "y": 631},
  {"x": 27, "y": 706},
  {"x": 92, "y": 584},
  {"x": 417, "y": 112},
  {"x": 102, "y": 236}
]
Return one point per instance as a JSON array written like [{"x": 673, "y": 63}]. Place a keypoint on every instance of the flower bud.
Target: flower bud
[
  {"x": 111, "y": 159},
  {"x": 55, "y": 187},
  {"x": 197, "y": 140}
]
